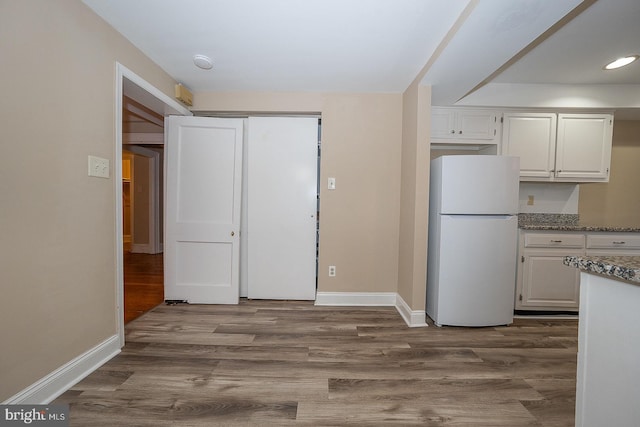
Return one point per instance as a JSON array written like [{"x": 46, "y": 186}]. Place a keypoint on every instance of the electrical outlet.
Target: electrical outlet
[
  {"x": 331, "y": 183},
  {"x": 530, "y": 201},
  {"x": 98, "y": 167},
  {"x": 332, "y": 271}
]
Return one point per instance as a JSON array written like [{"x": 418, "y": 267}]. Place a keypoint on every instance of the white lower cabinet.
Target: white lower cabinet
[
  {"x": 613, "y": 244},
  {"x": 543, "y": 282}
]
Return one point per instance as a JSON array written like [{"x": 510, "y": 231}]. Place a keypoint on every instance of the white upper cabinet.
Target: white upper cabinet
[
  {"x": 584, "y": 146},
  {"x": 561, "y": 148},
  {"x": 451, "y": 125},
  {"x": 532, "y": 137}
]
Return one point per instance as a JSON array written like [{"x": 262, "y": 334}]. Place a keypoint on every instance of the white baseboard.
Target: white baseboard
[
  {"x": 356, "y": 298},
  {"x": 547, "y": 316},
  {"x": 140, "y": 248},
  {"x": 57, "y": 382},
  {"x": 413, "y": 318}
]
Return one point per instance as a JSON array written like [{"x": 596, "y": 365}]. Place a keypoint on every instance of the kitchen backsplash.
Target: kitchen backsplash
[{"x": 549, "y": 198}]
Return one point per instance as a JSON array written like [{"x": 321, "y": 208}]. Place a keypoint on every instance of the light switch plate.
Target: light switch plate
[
  {"x": 331, "y": 184},
  {"x": 98, "y": 167}
]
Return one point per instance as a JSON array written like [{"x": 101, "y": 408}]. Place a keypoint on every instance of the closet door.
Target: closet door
[{"x": 282, "y": 207}]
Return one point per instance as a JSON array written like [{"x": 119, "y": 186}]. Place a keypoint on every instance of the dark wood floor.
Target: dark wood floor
[
  {"x": 143, "y": 284},
  {"x": 291, "y": 363}
]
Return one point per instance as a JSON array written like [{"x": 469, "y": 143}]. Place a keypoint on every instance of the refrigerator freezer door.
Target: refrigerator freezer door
[
  {"x": 477, "y": 271},
  {"x": 481, "y": 185}
]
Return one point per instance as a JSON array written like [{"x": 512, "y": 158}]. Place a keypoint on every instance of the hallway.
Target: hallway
[{"x": 143, "y": 283}]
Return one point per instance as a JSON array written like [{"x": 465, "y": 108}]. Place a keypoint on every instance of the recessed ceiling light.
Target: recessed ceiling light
[
  {"x": 621, "y": 62},
  {"x": 203, "y": 62}
]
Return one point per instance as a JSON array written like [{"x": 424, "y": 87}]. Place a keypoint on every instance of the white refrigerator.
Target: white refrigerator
[{"x": 472, "y": 253}]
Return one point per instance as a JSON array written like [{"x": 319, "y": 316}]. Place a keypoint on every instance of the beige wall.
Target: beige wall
[
  {"x": 359, "y": 220},
  {"x": 361, "y": 141},
  {"x": 616, "y": 203},
  {"x": 416, "y": 119},
  {"x": 57, "y": 270}
]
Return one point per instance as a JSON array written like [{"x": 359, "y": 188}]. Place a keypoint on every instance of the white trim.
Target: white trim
[
  {"x": 141, "y": 248},
  {"x": 546, "y": 316},
  {"x": 155, "y": 199},
  {"x": 142, "y": 114},
  {"x": 356, "y": 298},
  {"x": 413, "y": 318},
  {"x": 57, "y": 382},
  {"x": 143, "y": 138},
  {"x": 170, "y": 107},
  {"x": 117, "y": 179}
]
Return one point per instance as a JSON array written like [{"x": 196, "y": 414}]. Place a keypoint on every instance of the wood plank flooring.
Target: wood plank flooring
[
  {"x": 143, "y": 284},
  {"x": 291, "y": 363}
]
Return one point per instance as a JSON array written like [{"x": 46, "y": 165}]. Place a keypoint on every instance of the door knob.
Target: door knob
[{"x": 233, "y": 233}]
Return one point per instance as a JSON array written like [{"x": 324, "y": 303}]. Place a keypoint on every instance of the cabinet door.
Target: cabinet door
[
  {"x": 532, "y": 137},
  {"x": 477, "y": 124},
  {"x": 548, "y": 284},
  {"x": 464, "y": 124},
  {"x": 584, "y": 146},
  {"x": 442, "y": 123}
]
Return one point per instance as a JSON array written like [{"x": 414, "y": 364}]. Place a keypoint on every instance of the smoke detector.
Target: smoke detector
[{"x": 203, "y": 61}]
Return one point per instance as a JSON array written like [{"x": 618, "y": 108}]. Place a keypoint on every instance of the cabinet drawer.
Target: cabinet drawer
[
  {"x": 553, "y": 241},
  {"x": 613, "y": 241}
]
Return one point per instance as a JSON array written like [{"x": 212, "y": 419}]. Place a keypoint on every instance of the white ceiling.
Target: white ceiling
[
  {"x": 606, "y": 30},
  {"x": 469, "y": 46}
]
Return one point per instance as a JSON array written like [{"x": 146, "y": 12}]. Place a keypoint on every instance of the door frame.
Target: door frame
[
  {"x": 155, "y": 199},
  {"x": 132, "y": 85}
]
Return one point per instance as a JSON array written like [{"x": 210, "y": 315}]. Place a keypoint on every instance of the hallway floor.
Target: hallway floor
[{"x": 143, "y": 284}]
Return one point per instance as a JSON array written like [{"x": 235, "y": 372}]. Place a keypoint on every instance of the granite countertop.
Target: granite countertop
[
  {"x": 623, "y": 267},
  {"x": 579, "y": 227},
  {"x": 565, "y": 222}
]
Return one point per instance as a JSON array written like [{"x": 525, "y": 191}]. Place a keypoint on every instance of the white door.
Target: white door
[
  {"x": 282, "y": 207},
  {"x": 203, "y": 177}
]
